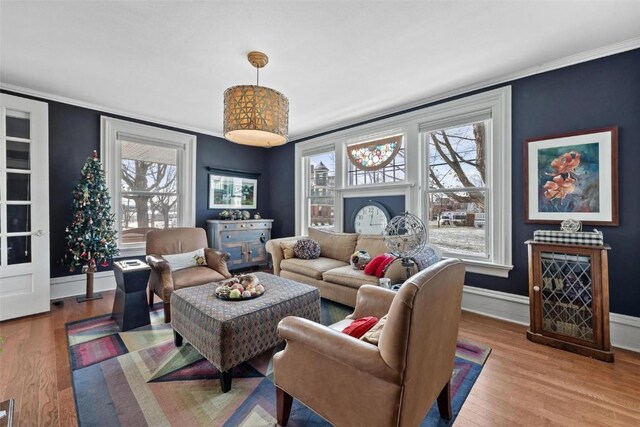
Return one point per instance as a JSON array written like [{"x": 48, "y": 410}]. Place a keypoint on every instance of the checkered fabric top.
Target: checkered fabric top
[{"x": 590, "y": 238}]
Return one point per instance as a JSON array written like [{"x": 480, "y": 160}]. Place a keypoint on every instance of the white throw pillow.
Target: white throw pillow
[{"x": 185, "y": 260}]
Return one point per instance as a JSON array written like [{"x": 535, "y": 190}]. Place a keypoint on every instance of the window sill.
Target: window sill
[
  {"x": 135, "y": 251},
  {"x": 486, "y": 268}
]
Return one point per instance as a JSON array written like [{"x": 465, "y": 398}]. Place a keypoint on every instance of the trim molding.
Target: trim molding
[
  {"x": 104, "y": 109},
  {"x": 625, "y": 330},
  {"x": 71, "y": 286}
]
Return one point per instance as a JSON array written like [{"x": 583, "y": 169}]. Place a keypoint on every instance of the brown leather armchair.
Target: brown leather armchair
[
  {"x": 353, "y": 383},
  {"x": 162, "y": 280}
]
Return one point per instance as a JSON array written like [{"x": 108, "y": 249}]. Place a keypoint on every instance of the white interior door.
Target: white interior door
[{"x": 24, "y": 207}]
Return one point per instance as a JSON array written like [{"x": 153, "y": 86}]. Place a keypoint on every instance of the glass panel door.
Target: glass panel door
[
  {"x": 567, "y": 295},
  {"x": 17, "y": 175},
  {"x": 24, "y": 207}
]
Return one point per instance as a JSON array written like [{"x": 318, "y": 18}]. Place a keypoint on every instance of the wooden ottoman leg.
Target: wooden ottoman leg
[
  {"x": 225, "y": 380},
  {"x": 283, "y": 406},
  {"x": 177, "y": 339}
]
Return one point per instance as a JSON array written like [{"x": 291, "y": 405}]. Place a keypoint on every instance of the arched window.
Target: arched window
[{"x": 374, "y": 155}]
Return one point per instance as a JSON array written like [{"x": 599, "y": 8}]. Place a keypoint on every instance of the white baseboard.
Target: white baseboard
[
  {"x": 625, "y": 330},
  {"x": 71, "y": 286}
]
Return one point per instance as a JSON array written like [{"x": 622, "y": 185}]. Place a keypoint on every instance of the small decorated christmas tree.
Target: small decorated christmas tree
[{"x": 91, "y": 238}]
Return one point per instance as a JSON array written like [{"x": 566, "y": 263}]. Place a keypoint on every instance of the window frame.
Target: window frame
[
  {"x": 112, "y": 132},
  {"x": 413, "y": 124}
]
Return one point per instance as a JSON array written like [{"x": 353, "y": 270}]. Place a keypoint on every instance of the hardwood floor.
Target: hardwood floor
[{"x": 522, "y": 383}]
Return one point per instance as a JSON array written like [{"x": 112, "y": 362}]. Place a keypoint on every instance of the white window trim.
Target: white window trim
[
  {"x": 498, "y": 101},
  {"x": 186, "y": 145}
]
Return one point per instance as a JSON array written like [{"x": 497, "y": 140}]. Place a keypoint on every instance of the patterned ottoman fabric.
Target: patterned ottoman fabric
[{"x": 228, "y": 333}]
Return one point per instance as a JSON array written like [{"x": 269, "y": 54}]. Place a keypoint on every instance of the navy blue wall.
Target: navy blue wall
[
  {"x": 594, "y": 94},
  {"x": 74, "y": 132},
  {"x": 394, "y": 204}
]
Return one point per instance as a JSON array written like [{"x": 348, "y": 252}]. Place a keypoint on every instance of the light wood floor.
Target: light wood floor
[{"x": 522, "y": 383}]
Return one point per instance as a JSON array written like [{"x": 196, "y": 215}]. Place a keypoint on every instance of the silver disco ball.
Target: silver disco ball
[{"x": 405, "y": 235}]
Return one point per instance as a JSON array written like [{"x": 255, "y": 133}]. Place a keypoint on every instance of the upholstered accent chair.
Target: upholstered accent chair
[
  {"x": 350, "y": 382},
  {"x": 162, "y": 280}
]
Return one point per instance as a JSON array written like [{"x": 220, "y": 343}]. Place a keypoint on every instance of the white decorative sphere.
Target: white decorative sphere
[{"x": 405, "y": 235}]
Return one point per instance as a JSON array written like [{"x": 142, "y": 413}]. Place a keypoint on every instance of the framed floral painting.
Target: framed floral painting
[{"x": 573, "y": 175}]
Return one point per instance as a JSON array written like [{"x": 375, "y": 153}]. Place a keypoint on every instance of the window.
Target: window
[
  {"x": 457, "y": 192},
  {"x": 376, "y": 162},
  {"x": 467, "y": 180},
  {"x": 452, "y": 164},
  {"x": 151, "y": 179},
  {"x": 321, "y": 185}
]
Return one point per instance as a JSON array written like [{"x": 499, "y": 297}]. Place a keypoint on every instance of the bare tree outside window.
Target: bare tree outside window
[
  {"x": 149, "y": 186},
  {"x": 457, "y": 192}
]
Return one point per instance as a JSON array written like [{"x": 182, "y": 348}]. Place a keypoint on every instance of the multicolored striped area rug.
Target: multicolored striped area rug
[{"x": 139, "y": 378}]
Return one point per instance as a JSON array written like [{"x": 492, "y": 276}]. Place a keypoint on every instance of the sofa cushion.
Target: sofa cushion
[
  {"x": 373, "y": 244},
  {"x": 287, "y": 249},
  {"x": 195, "y": 276},
  {"x": 338, "y": 246},
  {"x": 311, "y": 267},
  {"x": 306, "y": 249},
  {"x": 347, "y": 276}
]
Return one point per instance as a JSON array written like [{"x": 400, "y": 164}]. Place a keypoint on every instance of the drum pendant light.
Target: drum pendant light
[{"x": 256, "y": 115}]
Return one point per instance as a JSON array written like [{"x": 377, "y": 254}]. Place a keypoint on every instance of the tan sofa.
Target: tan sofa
[{"x": 332, "y": 273}]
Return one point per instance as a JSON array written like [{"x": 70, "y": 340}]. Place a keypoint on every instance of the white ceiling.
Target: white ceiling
[{"x": 337, "y": 62}]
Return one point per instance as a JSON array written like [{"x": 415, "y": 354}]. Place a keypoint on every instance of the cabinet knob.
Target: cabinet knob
[
  {"x": 250, "y": 252},
  {"x": 241, "y": 225},
  {"x": 228, "y": 237},
  {"x": 536, "y": 288}
]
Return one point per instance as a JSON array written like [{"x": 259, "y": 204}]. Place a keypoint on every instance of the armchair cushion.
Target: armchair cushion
[
  {"x": 372, "y": 336},
  {"x": 186, "y": 259},
  {"x": 192, "y": 276},
  {"x": 217, "y": 260},
  {"x": 361, "y": 326}
]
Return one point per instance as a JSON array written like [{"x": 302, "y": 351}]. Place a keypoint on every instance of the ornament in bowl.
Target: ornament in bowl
[
  {"x": 245, "y": 286},
  {"x": 359, "y": 259}
]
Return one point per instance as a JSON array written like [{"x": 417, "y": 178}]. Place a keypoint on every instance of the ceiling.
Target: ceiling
[{"x": 338, "y": 62}]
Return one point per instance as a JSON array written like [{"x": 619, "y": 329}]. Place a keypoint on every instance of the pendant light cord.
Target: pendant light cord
[{"x": 257, "y": 76}]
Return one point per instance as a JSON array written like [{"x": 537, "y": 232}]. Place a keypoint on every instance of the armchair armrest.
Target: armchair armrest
[
  {"x": 273, "y": 247},
  {"x": 160, "y": 279},
  {"x": 372, "y": 301},
  {"x": 156, "y": 262},
  {"x": 217, "y": 260},
  {"x": 337, "y": 346}
]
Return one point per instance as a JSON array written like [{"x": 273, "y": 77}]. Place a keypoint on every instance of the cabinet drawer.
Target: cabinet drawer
[
  {"x": 242, "y": 236},
  {"x": 245, "y": 225}
]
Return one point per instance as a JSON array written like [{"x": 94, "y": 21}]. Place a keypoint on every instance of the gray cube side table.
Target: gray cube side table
[{"x": 130, "y": 308}]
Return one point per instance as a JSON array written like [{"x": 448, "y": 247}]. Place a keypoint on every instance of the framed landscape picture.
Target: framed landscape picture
[
  {"x": 232, "y": 192},
  {"x": 573, "y": 175}
]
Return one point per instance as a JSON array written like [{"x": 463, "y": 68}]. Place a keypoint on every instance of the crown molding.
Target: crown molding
[
  {"x": 567, "y": 61},
  {"x": 104, "y": 109}
]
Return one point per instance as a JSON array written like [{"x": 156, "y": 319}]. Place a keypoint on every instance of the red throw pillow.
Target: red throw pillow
[
  {"x": 360, "y": 326},
  {"x": 385, "y": 262},
  {"x": 372, "y": 266}
]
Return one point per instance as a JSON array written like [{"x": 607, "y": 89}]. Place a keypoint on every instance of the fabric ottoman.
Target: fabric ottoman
[{"x": 228, "y": 333}]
